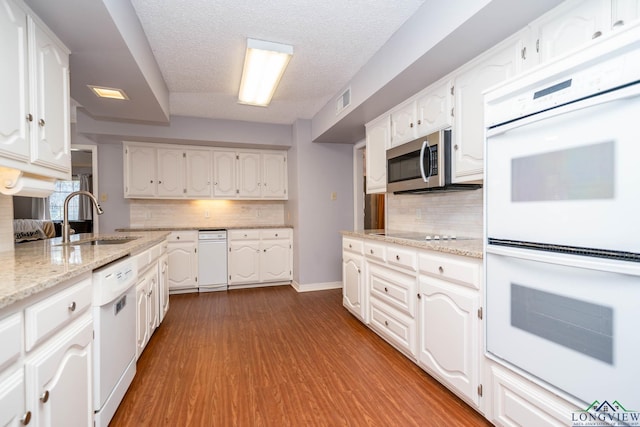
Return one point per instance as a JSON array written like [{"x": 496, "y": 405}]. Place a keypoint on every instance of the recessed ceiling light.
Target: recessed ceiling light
[
  {"x": 264, "y": 64},
  {"x": 108, "y": 92}
]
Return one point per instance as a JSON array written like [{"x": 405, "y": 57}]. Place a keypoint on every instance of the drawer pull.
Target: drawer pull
[
  {"x": 350, "y": 246},
  {"x": 276, "y": 234},
  {"x": 441, "y": 269},
  {"x": 44, "y": 397},
  {"x": 371, "y": 250},
  {"x": 358, "y": 271},
  {"x": 386, "y": 323},
  {"x": 397, "y": 257},
  {"x": 72, "y": 306},
  {"x": 26, "y": 418},
  {"x": 385, "y": 289},
  {"x": 596, "y": 34}
]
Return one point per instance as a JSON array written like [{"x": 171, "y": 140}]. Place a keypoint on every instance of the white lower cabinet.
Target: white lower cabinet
[
  {"x": 260, "y": 256},
  {"x": 51, "y": 382},
  {"x": 150, "y": 302},
  {"x": 353, "y": 286},
  {"x": 163, "y": 285},
  {"x": 183, "y": 261},
  {"x": 515, "y": 401}
]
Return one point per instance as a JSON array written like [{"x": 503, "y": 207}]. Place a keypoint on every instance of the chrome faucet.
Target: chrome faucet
[{"x": 65, "y": 222}]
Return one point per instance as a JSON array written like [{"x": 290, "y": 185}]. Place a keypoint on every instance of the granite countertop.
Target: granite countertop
[
  {"x": 469, "y": 247},
  {"x": 210, "y": 227},
  {"x": 36, "y": 266}
]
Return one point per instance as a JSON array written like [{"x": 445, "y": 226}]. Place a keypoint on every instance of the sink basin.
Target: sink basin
[{"x": 98, "y": 241}]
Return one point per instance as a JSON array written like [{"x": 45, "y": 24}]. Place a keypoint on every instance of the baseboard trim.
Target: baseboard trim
[{"x": 310, "y": 287}]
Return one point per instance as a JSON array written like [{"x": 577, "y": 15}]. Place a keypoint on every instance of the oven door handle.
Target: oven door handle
[{"x": 425, "y": 146}]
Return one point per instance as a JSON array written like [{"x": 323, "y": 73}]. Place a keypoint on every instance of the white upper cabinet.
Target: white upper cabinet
[
  {"x": 170, "y": 173},
  {"x": 197, "y": 173},
  {"x": 378, "y": 140},
  {"x": 34, "y": 107},
  {"x": 249, "y": 175},
  {"x": 275, "y": 182},
  {"x": 403, "y": 123},
  {"x": 183, "y": 173},
  {"x": 140, "y": 171},
  {"x": 434, "y": 108},
  {"x": 571, "y": 25},
  {"x": 624, "y": 12},
  {"x": 224, "y": 174},
  {"x": 470, "y": 82}
]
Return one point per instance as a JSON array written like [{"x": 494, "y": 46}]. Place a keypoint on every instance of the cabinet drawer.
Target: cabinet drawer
[
  {"x": 463, "y": 271},
  {"x": 183, "y": 236},
  {"x": 400, "y": 257},
  {"x": 375, "y": 251},
  {"x": 395, "y": 327},
  {"x": 275, "y": 233},
  {"x": 352, "y": 245},
  {"x": 46, "y": 317},
  {"x": 251, "y": 234},
  {"x": 11, "y": 339},
  {"x": 394, "y": 288}
]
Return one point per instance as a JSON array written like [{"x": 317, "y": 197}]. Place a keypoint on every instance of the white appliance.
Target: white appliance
[
  {"x": 212, "y": 260},
  {"x": 114, "y": 317},
  {"x": 562, "y": 197}
]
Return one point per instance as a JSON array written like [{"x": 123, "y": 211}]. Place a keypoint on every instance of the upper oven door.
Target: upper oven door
[
  {"x": 568, "y": 176},
  {"x": 416, "y": 165}
]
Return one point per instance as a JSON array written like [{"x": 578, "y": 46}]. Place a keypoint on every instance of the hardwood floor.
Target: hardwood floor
[{"x": 274, "y": 357}]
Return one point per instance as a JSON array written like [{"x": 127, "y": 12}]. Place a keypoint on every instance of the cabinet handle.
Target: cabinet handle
[
  {"x": 523, "y": 53},
  {"x": 385, "y": 289},
  {"x": 358, "y": 271},
  {"x": 72, "y": 306},
  {"x": 26, "y": 418},
  {"x": 419, "y": 296},
  {"x": 386, "y": 323},
  {"x": 397, "y": 257},
  {"x": 596, "y": 34},
  {"x": 276, "y": 234},
  {"x": 410, "y": 125},
  {"x": 151, "y": 182},
  {"x": 150, "y": 293},
  {"x": 159, "y": 182},
  {"x": 441, "y": 269},
  {"x": 29, "y": 119},
  {"x": 350, "y": 246},
  {"x": 371, "y": 250},
  {"x": 618, "y": 23},
  {"x": 264, "y": 250},
  {"x": 455, "y": 147},
  {"x": 419, "y": 122},
  {"x": 44, "y": 397},
  {"x": 538, "y": 46},
  {"x": 41, "y": 122}
]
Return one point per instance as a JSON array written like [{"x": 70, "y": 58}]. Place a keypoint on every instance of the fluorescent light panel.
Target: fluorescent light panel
[
  {"x": 108, "y": 92},
  {"x": 264, "y": 64}
]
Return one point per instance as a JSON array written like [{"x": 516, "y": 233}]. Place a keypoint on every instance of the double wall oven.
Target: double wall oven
[{"x": 563, "y": 236}]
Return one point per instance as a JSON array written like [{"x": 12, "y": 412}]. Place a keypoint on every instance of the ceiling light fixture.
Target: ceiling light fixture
[
  {"x": 108, "y": 92},
  {"x": 264, "y": 64}
]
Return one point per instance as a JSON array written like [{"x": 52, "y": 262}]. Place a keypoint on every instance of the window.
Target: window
[{"x": 56, "y": 200}]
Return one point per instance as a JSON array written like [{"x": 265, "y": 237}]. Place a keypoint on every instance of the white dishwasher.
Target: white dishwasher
[{"x": 212, "y": 260}]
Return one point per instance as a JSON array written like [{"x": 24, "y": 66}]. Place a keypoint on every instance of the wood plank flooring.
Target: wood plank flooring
[{"x": 274, "y": 357}]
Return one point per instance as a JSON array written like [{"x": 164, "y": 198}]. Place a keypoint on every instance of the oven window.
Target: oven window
[
  {"x": 581, "y": 173},
  {"x": 581, "y": 326}
]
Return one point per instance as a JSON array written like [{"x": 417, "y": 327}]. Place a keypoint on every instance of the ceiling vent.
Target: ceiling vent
[{"x": 343, "y": 101}]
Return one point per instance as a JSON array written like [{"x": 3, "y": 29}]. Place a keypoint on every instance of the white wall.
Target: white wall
[{"x": 315, "y": 171}]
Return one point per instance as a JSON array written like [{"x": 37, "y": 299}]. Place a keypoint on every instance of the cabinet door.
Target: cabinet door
[
  {"x": 59, "y": 379},
  {"x": 198, "y": 176},
  {"x": 275, "y": 259},
  {"x": 142, "y": 315},
  {"x": 434, "y": 109},
  {"x": 153, "y": 300},
  {"x": 624, "y": 12},
  {"x": 52, "y": 146},
  {"x": 274, "y": 174},
  {"x": 183, "y": 265},
  {"x": 12, "y": 404},
  {"x": 170, "y": 173},
  {"x": 14, "y": 82},
  {"x": 140, "y": 170},
  {"x": 244, "y": 262},
  {"x": 378, "y": 140},
  {"x": 403, "y": 124},
  {"x": 224, "y": 172},
  {"x": 249, "y": 175},
  {"x": 468, "y": 133},
  {"x": 449, "y": 328},
  {"x": 571, "y": 25},
  {"x": 352, "y": 286},
  {"x": 163, "y": 284}
]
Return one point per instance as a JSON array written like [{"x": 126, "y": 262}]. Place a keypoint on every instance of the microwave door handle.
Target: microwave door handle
[{"x": 425, "y": 146}]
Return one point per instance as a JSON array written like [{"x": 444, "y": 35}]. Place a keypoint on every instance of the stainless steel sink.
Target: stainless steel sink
[{"x": 105, "y": 241}]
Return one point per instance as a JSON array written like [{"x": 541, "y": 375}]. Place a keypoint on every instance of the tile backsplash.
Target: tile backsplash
[
  {"x": 206, "y": 213},
  {"x": 6, "y": 223},
  {"x": 443, "y": 213}
]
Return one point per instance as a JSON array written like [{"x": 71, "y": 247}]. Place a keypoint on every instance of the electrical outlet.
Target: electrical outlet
[
  {"x": 207, "y": 214},
  {"x": 104, "y": 197},
  {"x": 147, "y": 215},
  {"x": 418, "y": 213},
  {"x": 334, "y": 195}
]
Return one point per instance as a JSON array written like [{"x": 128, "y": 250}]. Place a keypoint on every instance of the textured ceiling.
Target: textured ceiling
[{"x": 199, "y": 46}]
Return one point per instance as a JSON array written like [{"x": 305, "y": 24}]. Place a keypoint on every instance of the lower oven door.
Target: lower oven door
[{"x": 567, "y": 320}]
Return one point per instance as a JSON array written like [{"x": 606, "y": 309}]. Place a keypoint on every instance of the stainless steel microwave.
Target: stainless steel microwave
[{"x": 423, "y": 165}]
